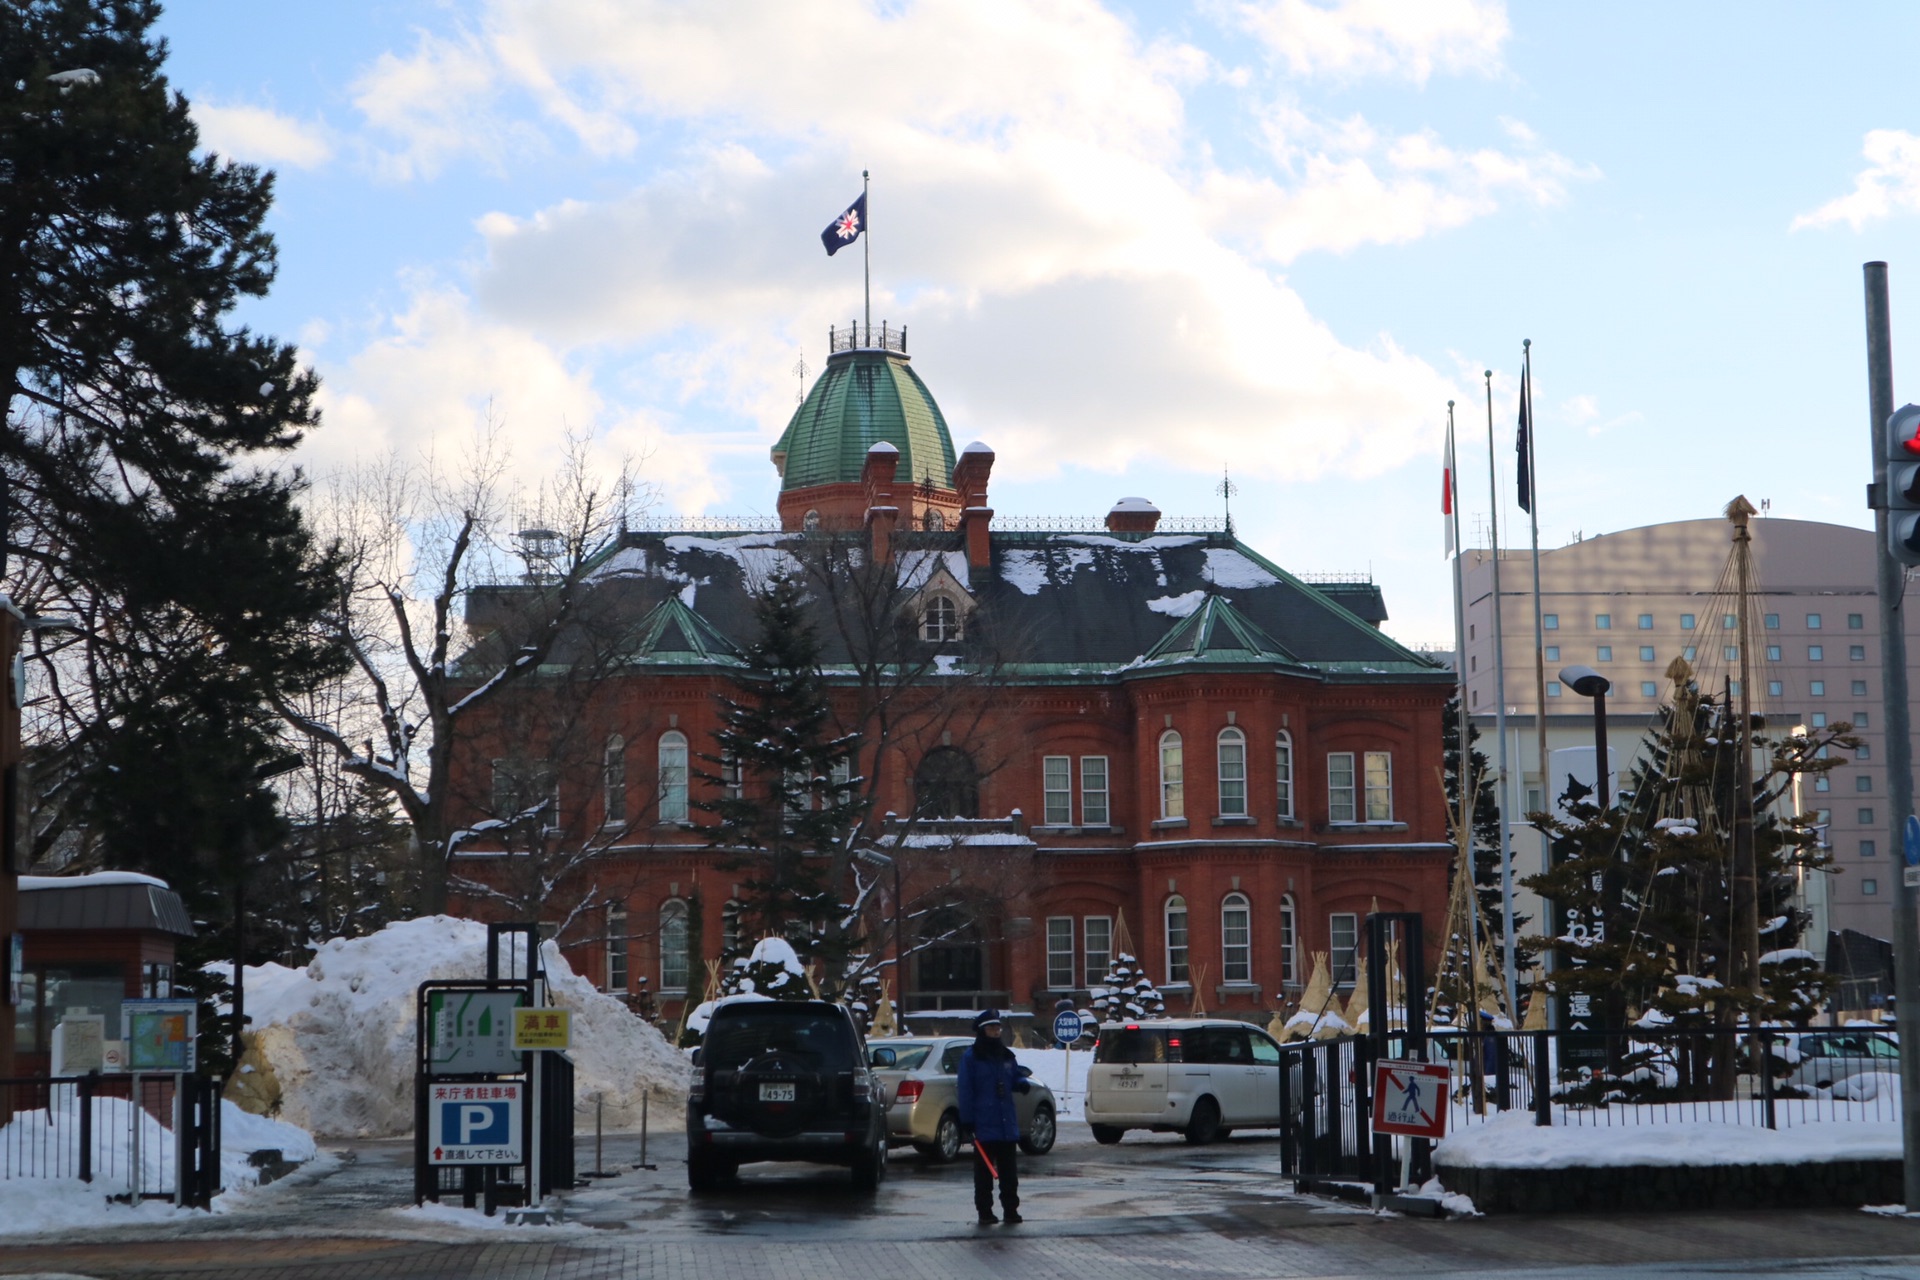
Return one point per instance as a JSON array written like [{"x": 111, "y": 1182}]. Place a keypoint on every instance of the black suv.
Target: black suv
[{"x": 784, "y": 1080}]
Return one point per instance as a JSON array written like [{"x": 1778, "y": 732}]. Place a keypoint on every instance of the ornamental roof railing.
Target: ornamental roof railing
[
  {"x": 1098, "y": 524},
  {"x": 859, "y": 337},
  {"x": 1337, "y": 579},
  {"x": 707, "y": 524}
]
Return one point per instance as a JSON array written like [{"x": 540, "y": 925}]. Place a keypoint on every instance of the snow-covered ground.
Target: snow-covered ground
[
  {"x": 1513, "y": 1141},
  {"x": 338, "y": 1035},
  {"x": 40, "y": 1142},
  {"x": 1050, "y": 1067}
]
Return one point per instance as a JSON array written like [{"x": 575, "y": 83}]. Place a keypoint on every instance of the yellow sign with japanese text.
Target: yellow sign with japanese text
[{"x": 542, "y": 1029}]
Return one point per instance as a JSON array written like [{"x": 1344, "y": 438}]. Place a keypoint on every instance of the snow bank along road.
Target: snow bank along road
[{"x": 1142, "y": 1209}]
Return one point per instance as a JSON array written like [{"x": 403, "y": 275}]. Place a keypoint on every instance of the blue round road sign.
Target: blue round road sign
[
  {"x": 1067, "y": 1026},
  {"x": 1912, "y": 833}
]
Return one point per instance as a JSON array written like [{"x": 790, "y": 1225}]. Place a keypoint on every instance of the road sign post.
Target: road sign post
[
  {"x": 1410, "y": 1101},
  {"x": 1068, "y": 1027},
  {"x": 475, "y": 1123}
]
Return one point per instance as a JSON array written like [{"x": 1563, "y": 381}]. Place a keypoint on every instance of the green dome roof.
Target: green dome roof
[{"x": 862, "y": 398}]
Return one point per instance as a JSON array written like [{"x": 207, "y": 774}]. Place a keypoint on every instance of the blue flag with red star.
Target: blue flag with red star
[{"x": 846, "y": 228}]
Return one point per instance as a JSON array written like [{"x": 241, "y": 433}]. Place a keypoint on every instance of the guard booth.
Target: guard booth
[{"x": 493, "y": 1086}]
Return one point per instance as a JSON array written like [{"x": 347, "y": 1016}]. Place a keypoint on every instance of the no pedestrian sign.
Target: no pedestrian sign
[
  {"x": 542, "y": 1029},
  {"x": 1410, "y": 1098}
]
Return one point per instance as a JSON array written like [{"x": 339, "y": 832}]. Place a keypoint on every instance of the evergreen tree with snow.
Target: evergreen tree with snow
[
  {"x": 1485, "y": 825},
  {"x": 791, "y": 807},
  {"x": 1127, "y": 992}
]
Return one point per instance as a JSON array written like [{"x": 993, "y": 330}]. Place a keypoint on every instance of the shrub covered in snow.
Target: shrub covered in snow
[
  {"x": 772, "y": 972},
  {"x": 1127, "y": 992},
  {"x": 338, "y": 1036}
]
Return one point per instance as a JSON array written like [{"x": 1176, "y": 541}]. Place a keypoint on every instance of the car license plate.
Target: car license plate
[
  {"x": 1126, "y": 1082},
  {"x": 776, "y": 1093}
]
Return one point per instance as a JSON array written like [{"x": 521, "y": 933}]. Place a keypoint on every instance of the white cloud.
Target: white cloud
[
  {"x": 1889, "y": 184},
  {"x": 260, "y": 136},
  {"x": 1354, "y": 38},
  {"x": 1085, "y": 284}
]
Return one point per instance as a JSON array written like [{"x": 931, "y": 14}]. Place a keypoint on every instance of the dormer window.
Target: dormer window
[{"x": 939, "y": 621}]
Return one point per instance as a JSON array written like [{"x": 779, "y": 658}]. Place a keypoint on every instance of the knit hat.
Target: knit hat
[{"x": 987, "y": 1018}]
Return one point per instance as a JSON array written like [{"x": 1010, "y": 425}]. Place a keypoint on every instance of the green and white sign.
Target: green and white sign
[{"x": 472, "y": 1031}]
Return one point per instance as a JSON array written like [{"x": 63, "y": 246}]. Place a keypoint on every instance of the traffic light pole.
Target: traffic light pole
[{"x": 1893, "y": 675}]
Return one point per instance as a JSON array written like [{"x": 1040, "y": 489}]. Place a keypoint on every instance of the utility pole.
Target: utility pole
[{"x": 1893, "y": 676}]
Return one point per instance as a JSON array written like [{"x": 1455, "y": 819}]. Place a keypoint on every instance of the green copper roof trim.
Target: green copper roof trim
[
  {"x": 672, "y": 634},
  {"x": 1334, "y": 606},
  {"x": 861, "y": 399},
  {"x": 1218, "y": 632}
]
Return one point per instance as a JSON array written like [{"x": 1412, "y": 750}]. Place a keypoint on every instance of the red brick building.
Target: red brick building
[{"x": 1114, "y": 721}]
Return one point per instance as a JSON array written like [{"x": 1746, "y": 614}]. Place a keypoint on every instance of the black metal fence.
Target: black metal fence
[{"x": 134, "y": 1137}]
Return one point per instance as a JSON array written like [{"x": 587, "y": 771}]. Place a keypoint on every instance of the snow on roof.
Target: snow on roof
[
  {"x": 759, "y": 556},
  {"x": 1232, "y": 569},
  {"x": 91, "y": 879},
  {"x": 918, "y": 566},
  {"x": 883, "y": 447},
  {"x": 1180, "y": 606},
  {"x": 1135, "y": 504},
  {"x": 976, "y": 447},
  {"x": 1028, "y": 571}
]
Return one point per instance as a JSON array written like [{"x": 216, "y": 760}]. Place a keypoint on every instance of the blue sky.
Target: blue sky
[{"x": 1136, "y": 243}]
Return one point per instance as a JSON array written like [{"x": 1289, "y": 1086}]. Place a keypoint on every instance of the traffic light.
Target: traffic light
[{"x": 1902, "y": 450}]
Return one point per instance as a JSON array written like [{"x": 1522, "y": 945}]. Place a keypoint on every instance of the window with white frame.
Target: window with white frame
[
  {"x": 1232, "y": 756},
  {"x": 730, "y": 927},
  {"x": 733, "y": 779},
  {"x": 840, "y": 774},
  {"x": 1236, "y": 939},
  {"x": 1289, "y": 942},
  {"x": 1176, "y": 917},
  {"x": 1094, "y": 811},
  {"x": 1379, "y": 786},
  {"x": 1341, "y": 791},
  {"x": 940, "y": 620},
  {"x": 1097, "y": 933},
  {"x": 1343, "y": 945},
  {"x": 613, "y": 777},
  {"x": 616, "y": 947},
  {"x": 673, "y": 776},
  {"x": 673, "y": 945},
  {"x": 1173, "y": 787},
  {"x": 1283, "y": 773},
  {"x": 1060, "y": 953},
  {"x": 1056, "y": 780},
  {"x": 525, "y": 788}
]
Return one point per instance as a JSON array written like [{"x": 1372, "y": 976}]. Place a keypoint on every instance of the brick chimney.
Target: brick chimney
[
  {"x": 1133, "y": 515},
  {"x": 876, "y": 480},
  {"x": 970, "y": 481}
]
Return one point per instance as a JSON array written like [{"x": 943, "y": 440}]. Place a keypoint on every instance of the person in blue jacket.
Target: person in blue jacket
[{"x": 989, "y": 1077}]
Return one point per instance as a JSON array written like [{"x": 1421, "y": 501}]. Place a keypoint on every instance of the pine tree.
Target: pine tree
[
  {"x": 1127, "y": 992},
  {"x": 789, "y": 829},
  {"x": 1647, "y": 888},
  {"x": 132, "y": 497},
  {"x": 1485, "y": 828}
]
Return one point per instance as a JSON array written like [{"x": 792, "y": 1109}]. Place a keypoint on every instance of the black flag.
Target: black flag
[
  {"x": 1524, "y": 447},
  {"x": 846, "y": 228}
]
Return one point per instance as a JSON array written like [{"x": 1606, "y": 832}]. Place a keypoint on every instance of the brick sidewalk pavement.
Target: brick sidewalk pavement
[{"x": 1236, "y": 1246}]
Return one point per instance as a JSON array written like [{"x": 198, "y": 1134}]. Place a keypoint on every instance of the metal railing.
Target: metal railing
[
  {"x": 707, "y": 524},
  {"x": 135, "y": 1137},
  {"x": 859, "y": 337},
  {"x": 1098, "y": 524}
]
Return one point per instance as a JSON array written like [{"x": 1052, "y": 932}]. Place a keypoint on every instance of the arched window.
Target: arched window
[
  {"x": 1232, "y": 752},
  {"x": 947, "y": 785},
  {"x": 673, "y": 776},
  {"x": 616, "y": 947},
  {"x": 933, "y": 521},
  {"x": 673, "y": 945},
  {"x": 1176, "y": 939},
  {"x": 1289, "y": 942},
  {"x": 1173, "y": 787},
  {"x": 810, "y": 521},
  {"x": 1283, "y": 773},
  {"x": 613, "y": 777},
  {"x": 940, "y": 621},
  {"x": 1236, "y": 939}
]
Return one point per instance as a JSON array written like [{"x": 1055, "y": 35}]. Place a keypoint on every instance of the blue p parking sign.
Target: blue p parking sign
[{"x": 474, "y": 1123}]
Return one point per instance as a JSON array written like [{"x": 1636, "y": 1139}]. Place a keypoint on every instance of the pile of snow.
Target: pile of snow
[
  {"x": 46, "y": 1142},
  {"x": 339, "y": 1034},
  {"x": 1867, "y": 1086},
  {"x": 1513, "y": 1141}
]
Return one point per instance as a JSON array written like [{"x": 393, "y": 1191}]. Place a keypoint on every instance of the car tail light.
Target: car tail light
[
  {"x": 862, "y": 1086},
  {"x": 1133, "y": 1026},
  {"x": 1173, "y": 1042},
  {"x": 909, "y": 1091},
  {"x": 697, "y": 1091}
]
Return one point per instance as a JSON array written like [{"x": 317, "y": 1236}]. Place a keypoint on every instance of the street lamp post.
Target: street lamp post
[{"x": 1589, "y": 683}]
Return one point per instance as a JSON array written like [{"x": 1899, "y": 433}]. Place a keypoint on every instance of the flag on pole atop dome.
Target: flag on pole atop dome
[{"x": 846, "y": 228}]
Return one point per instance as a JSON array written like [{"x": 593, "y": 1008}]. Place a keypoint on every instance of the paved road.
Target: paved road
[{"x": 1145, "y": 1210}]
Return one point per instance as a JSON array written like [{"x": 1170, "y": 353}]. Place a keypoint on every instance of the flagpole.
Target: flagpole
[
  {"x": 1539, "y": 618},
  {"x": 866, "y": 241},
  {"x": 1500, "y": 711},
  {"x": 1463, "y": 774}
]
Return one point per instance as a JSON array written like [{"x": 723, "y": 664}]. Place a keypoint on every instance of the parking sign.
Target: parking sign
[{"x": 474, "y": 1123}]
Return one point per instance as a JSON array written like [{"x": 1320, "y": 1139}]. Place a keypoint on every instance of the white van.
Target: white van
[{"x": 1203, "y": 1077}]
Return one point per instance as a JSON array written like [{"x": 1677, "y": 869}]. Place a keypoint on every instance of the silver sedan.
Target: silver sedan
[{"x": 921, "y": 1077}]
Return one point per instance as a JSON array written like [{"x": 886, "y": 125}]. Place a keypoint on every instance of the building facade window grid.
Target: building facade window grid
[
  {"x": 1289, "y": 942},
  {"x": 674, "y": 964},
  {"x": 1060, "y": 953},
  {"x": 1097, "y": 934},
  {"x": 1173, "y": 787},
  {"x": 1283, "y": 774},
  {"x": 614, "y": 781},
  {"x": 1379, "y": 786},
  {"x": 673, "y": 776},
  {"x": 616, "y": 947},
  {"x": 1232, "y": 760},
  {"x": 1176, "y": 921},
  {"x": 1094, "y": 809},
  {"x": 1340, "y": 786},
  {"x": 1343, "y": 945},
  {"x": 1236, "y": 939},
  {"x": 1057, "y": 790}
]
